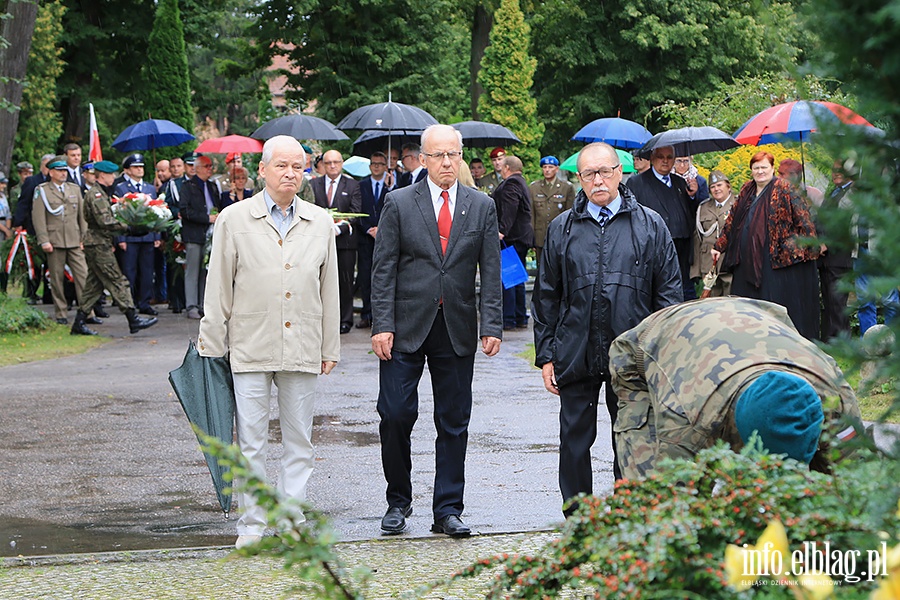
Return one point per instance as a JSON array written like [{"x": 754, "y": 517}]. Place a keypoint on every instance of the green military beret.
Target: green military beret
[{"x": 106, "y": 166}]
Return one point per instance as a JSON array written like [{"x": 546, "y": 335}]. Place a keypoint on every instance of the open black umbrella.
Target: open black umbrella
[
  {"x": 373, "y": 141},
  {"x": 690, "y": 140},
  {"x": 205, "y": 388},
  {"x": 478, "y": 134},
  {"x": 392, "y": 117},
  {"x": 299, "y": 127}
]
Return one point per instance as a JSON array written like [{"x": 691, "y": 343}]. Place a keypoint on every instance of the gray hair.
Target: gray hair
[
  {"x": 278, "y": 141},
  {"x": 432, "y": 128},
  {"x": 610, "y": 151}
]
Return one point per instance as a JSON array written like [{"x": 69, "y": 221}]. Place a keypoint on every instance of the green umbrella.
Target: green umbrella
[
  {"x": 205, "y": 388},
  {"x": 627, "y": 160}
]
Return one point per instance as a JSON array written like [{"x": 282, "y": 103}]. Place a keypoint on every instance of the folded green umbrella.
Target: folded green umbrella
[{"x": 205, "y": 388}]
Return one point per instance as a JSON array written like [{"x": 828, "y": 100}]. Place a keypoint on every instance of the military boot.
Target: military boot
[
  {"x": 100, "y": 312},
  {"x": 136, "y": 322},
  {"x": 78, "y": 327}
]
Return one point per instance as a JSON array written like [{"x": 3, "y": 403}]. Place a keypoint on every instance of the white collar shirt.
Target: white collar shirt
[{"x": 437, "y": 202}]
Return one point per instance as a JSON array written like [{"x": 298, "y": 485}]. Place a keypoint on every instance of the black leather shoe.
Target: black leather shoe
[
  {"x": 345, "y": 328},
  {"x": 364, "y": 324},
  {"x": 148, "y": 310},
  {"x": 453, "y": 526},
  {"x": 100, "y": 312},
  {"x": 62, "y": 321},
  {"x": 92, "y": 320},
  {"x": 394, "y": 520}
]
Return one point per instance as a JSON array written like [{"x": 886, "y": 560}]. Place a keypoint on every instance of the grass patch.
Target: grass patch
[
  {"x": 53, "y": 342},
  {"x": 528, "y": 354}
]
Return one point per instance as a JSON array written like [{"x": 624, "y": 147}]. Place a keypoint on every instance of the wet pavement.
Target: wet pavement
[{"x": 98, "y": 456}]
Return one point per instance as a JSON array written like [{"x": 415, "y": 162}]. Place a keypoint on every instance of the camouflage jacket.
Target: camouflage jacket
[
  {"x": 679, "y": 373},
  {"x": 103, "y": 227}
]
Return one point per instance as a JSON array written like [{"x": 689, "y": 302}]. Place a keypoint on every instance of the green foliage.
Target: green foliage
[
  {"x": 344, "y": 55},
  {"x": 16, "y": 316},
  {"x": 304, "y": 538},
  {"x": 665, "y": 536},
  {"x": 225, "y": 91},
  {"x": 40, "y": 123},
  {"x": 602, "y": 59},
  {"x": 507, "y": 76},
  {"x": 168, "y": 83}
]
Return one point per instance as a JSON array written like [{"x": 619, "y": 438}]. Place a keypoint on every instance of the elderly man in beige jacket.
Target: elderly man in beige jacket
[{"x": 272, "y": 304}]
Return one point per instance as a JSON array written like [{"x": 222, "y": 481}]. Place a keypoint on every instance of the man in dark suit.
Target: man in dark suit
[
  {"x": 336, "y": 190},
  {"x": 137, "y": 250},
  {"x": 659, "y": 189},
  {"x": 413, "y": 170},
  {"x": 513, "y": 200},
  {"x": 73, "y": 166},
  {"x": 372, "y": 190},
  {"x": 200, "y": 205},
  {"x": 433, "y": 237}
]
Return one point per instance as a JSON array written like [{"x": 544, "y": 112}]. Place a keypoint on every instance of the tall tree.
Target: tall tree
[
  {"x": 40, "y": 124},
  {"x": 168, "y": 87},
  {"x": 224, "y": 92},
  {"x": 343, "y": 55},
  {"x": 16, "y": 28},
  {"x": 649, "y": 53},
  {"x": 507, "y": 75}
]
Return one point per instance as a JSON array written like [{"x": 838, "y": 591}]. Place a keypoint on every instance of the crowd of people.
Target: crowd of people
[{"x": 419, "y": 240}]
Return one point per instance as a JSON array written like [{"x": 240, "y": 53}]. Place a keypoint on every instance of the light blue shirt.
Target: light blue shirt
[
  {"x": 613, "y": 208},
  {"x": 660, "y": 177},
  {"x": 282, "y": 219}
]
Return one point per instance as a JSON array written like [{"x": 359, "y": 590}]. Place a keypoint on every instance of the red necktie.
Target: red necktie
[{"x": 444, "y": 221}]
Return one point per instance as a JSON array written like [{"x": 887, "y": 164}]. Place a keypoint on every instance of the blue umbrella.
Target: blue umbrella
[
  {"x": 151, "y": 134},
  {"x": 615, "y": 131},
  {"x": 357, "y": 166}
]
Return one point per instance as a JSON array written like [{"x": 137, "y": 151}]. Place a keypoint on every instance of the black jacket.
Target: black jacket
[
  {"x": 194, "y": 214},
  {"x": 513, "y": 200},
  {"x": 595, "y": 283}
]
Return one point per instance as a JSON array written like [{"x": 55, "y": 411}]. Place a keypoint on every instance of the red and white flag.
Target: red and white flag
[{"x": 95, "y": 154}]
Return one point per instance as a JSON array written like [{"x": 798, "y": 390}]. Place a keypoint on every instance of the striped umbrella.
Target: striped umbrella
[{"x": 794, "y": 121}]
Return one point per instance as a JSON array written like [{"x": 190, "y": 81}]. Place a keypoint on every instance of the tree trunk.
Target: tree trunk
[
  {"x": 17, "y": 31},
  {"x": 481, "y": 31}
]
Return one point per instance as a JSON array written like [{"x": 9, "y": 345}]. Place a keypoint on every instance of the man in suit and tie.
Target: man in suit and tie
[
  {"x": 659, "y": 189},
  {"x": 340, "y": 192},
  {"x": 137, "y": 247},
  {"x": 433, "y": 237},
  {"x": 372, "y": 189},
  {"x": 413, "y": 170},
  {"x": 22, "y": 221},
  {"x": 73, "y": 166}
]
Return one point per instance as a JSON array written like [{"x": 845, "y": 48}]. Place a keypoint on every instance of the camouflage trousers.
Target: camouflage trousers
[{"x": 104, "y": 272}]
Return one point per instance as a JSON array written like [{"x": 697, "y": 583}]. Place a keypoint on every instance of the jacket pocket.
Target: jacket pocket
[
  {"x": 251, "y": 338},
  {"x": 310, "y": 338}
]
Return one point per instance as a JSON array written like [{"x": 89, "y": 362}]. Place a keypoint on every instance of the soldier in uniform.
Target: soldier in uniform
[
  {"x": 720, "y": 369},
  {"x": 489, "y": 182},
  {"x": 59, "y": 225},
  {"x": 550, "y": 196},
  {"x": 103, "y": 269},
  {"x": 711, "y": 215}
]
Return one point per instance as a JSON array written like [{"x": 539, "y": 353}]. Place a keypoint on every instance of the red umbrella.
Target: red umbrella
[
  {"x": 794, "y": 121},
  {"x": 231, "y": 143}
]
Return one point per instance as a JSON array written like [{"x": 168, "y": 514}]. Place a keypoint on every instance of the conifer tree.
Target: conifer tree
[
  {"x": 168, "y": 94},
  {"x": 507, "y": 75},
  {"x": 40, "y": 123}
]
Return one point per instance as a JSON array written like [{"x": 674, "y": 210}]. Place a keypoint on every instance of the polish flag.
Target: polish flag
[{"x": 95, "y": 154}]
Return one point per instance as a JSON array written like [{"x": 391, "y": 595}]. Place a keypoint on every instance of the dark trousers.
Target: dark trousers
[
  {"x": 175, "y": 287},
  {"x": 137, "y": 265},
  {"x": 578, "y": 431},
  {"x": 160, "y": 282},
  {"x": 346, "y": 260},
  {"x": 364, "y": 274},
  {"x": 398, "y": 406},
  {"x": 514, "y": 314},
  {"x": 684, "y": 248},
  {"x": 833, "y": 318}
]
